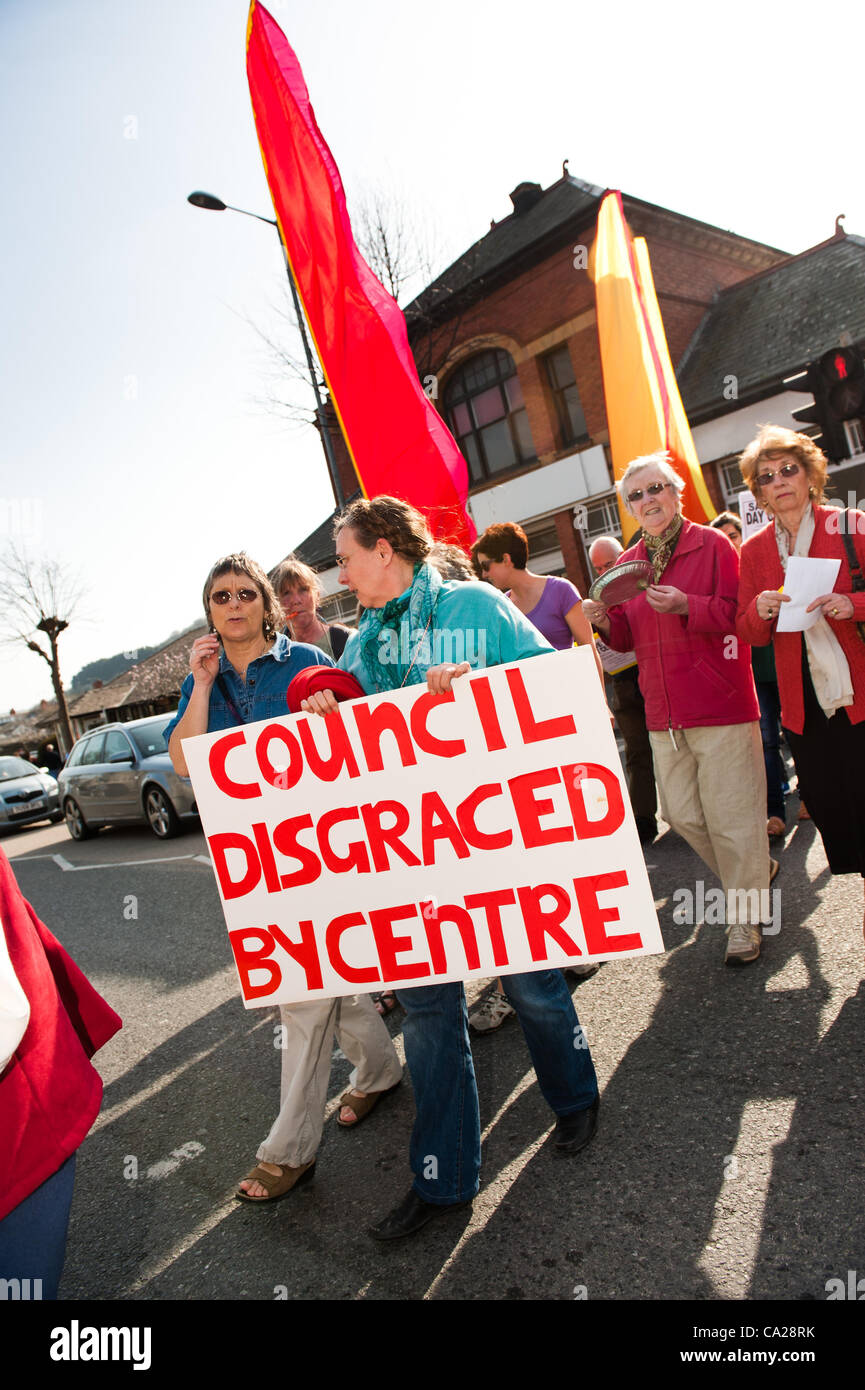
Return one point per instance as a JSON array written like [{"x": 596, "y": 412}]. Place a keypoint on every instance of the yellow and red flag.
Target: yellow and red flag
[
  {"x": 397, "y": 440},
  {"x": 644, "y": 409}
]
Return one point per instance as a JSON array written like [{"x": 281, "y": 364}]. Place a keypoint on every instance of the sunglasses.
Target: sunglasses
[
  {"x": 485, "y": 566},
  {"x": 651, "y": 491},
  {"x": 223, "y": 596},
  {"x": 789, "y": 470}
]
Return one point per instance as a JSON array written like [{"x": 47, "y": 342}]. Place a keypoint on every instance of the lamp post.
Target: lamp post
[{"x": 212, "y": 204}]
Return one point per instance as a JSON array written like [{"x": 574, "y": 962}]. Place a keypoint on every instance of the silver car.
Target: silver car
[
  {"x": 27, "y": 794},
  {"x": 121, "y": 773}
]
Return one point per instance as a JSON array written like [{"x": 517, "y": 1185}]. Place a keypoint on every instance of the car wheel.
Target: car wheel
[
  {"x": 161, "y": 815},
  {"x": 75, "y": 822}
]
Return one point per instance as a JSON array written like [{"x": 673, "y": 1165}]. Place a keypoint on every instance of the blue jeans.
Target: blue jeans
[
  {"x": 770, "y": 733},
  {"x": 445, "y": 1150},
  {"x": 33, "y": 1235}
]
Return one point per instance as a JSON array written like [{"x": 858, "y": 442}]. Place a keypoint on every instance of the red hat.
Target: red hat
[{"x": 312, "y": 679}]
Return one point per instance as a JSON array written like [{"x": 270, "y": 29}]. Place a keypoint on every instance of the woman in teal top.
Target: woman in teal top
[{"x": 418, "y": 630}]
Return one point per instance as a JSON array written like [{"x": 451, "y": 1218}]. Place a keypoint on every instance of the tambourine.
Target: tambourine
[{"x": 622, "y": 582}]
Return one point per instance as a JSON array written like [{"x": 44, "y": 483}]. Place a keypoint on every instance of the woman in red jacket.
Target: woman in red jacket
[
  {"x": 821, "y": 672},
  {"x": 701, "y": 706},
  {"x": 51, "y": 1022}
]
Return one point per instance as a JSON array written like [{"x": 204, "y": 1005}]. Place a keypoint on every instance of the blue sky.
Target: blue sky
[{"x": 129, "y": 422}]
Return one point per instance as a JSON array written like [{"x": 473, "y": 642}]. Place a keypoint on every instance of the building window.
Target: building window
[
  {"x": 730, "y": 476},
  {"x": 339, "y": 608},
  {"x": 486, "y": 413},
  {"x": 570, "y": 420},
  {"x": 855, "y": 432}
]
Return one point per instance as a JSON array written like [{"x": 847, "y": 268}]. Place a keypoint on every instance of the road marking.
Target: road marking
[
  {"x": 64, "y": 864},
  {"x": 191, "y": 1149}
]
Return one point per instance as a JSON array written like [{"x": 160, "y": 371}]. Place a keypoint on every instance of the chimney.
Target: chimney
[{"x": 524, "y": 197}]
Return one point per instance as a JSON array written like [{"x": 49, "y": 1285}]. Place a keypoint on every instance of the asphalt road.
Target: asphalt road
[{"x": 728, "y": 1164}]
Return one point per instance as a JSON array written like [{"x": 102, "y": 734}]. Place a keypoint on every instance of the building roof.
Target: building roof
[
  {"x": 772, "y": 324},
  {"x": 158, "y": 677},
  {"x": 542, "y": 220},
  {"x": 318, "y": 550}
]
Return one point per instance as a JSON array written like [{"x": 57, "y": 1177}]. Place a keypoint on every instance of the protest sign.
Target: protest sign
[
  {"x": 753, "y": 516},
  {"x": 412, "y": 838}
]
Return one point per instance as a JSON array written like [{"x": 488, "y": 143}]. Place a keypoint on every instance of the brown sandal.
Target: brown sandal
[
  {"x": 360, "y": 1105},
  {"x": 277, "y": 1187}
]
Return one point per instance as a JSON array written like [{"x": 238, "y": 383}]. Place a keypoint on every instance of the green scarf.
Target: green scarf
[{"x": 396, "y": 641}]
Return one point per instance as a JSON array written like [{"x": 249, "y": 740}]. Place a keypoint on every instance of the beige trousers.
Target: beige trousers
[
  {"x": 307, "y": 1046},
  {"x": 713, "y": 793}
]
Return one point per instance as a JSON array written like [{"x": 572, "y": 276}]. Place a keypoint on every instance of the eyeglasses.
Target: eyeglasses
[
  {"x": 651, "y": 491},
  {"x": 484, "y": 566},
  {"x": 788, "y": 470},
  {"x": 223, "y": 596}
]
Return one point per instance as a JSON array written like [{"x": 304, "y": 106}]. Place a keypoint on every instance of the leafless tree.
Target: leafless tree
[
  {"x": 39, "y": 597},
  {"x": 403, "y": 252}
]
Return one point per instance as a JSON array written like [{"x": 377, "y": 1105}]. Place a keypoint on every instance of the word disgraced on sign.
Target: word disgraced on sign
[{"x": 411, "y": 838}]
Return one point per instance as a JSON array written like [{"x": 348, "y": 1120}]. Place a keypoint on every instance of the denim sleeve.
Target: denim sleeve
[{"x": 185, "y": 692}]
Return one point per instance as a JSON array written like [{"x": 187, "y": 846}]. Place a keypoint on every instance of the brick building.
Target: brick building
[{"x": 505, "y": 341}]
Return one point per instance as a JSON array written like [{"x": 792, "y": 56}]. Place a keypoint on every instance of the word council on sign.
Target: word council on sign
[{"x": 411, "y": 838}]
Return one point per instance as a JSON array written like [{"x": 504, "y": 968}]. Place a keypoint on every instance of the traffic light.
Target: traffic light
[{"x": 837, "y": 383}]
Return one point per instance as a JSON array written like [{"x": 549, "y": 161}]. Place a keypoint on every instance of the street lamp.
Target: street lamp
[{"x": 213, "y": 204}]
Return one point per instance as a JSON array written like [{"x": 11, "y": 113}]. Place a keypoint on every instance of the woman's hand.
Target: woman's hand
[
  {"x": 439, "y": 679},
  {"x": 666, "y": 598},
  {"x": 204, "y": 660},
  {"x": 322, "y": 702},
  {"x": 595, "y": 612},
  {"x": 769, "y": 604},
  {"x": 833, "y": 606}
]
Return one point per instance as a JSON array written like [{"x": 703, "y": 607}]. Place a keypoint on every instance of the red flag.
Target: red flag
[{"x": 398, "y": 442}]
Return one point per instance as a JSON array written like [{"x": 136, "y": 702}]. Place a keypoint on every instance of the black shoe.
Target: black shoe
[
  {"x": 410, "y": 1216},
  {"x": 574, "y": 1132},
  {"x": 646, "y": 829}
]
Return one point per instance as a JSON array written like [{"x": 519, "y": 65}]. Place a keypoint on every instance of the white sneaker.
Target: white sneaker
[
  {"x": 743, "y": 944},
  {"x": 491, "y": 1014}
]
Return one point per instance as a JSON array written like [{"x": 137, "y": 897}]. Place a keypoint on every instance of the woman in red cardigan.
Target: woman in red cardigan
[
  {"x": 821, "y": 672},
  {"x": 51, "y": 1022}
]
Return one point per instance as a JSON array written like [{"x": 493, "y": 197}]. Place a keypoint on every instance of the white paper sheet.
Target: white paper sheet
[{"x": 807, "y": 578}]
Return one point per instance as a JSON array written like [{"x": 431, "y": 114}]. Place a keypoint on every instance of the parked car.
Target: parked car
[
  {"x": 27, "y": 793},
  {"x": 121, "y": 773}
]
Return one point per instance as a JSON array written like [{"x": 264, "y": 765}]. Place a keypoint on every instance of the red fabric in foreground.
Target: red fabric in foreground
[
  {"x": 398, "y": 442},
  {"x": 49, "y": 1093},
  {"x": 315, "y": 678}
]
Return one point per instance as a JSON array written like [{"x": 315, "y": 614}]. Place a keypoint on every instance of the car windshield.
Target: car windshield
[
  {"x": 148, "y": 738},
  {"x": 15, "y": 767}
]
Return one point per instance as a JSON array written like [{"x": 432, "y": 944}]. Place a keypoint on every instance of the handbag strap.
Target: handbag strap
[
  {"x": 856, "y": 576},
  {"x": 224, "y": 692}
]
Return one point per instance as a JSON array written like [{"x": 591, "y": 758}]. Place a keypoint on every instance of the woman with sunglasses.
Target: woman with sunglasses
[
  {"x": 821, "y": 672},
  {"x": 701, "y": 707},
  {"x": 239, "y": 674}
]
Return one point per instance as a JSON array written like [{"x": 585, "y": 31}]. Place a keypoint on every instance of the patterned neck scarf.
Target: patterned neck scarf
[
  {"x": 661, "y": 547},
  {"x": 396, "y": 643}
]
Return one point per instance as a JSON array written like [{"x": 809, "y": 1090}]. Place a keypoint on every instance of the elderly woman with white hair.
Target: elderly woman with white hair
[{"x": 701, "y": 706}]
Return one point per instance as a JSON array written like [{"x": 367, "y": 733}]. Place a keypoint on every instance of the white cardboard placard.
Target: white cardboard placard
[{"x": 483, "y": 832}]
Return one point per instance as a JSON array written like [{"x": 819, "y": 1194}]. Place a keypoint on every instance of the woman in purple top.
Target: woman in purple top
[
  {"x": 551, "y": 604},
  {"x": 554, "y": 607}
]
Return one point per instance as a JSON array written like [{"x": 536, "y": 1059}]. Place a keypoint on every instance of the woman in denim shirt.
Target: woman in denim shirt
[{"x": 239, "y": 674}]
